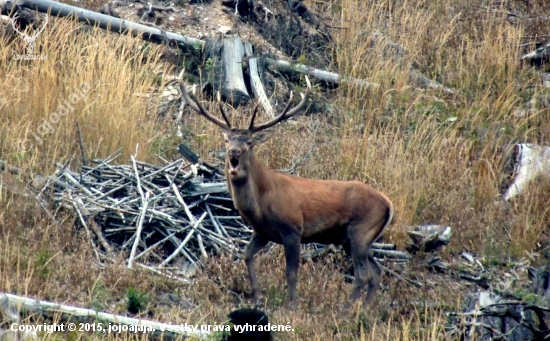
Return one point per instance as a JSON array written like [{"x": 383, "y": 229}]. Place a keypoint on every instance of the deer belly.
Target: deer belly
[{"x": 335, "y": 235}]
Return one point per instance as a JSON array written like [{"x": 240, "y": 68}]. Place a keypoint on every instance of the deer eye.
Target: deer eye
[
  {"x": 226, "y": 141},
  {"x": 249, "y": 143}
]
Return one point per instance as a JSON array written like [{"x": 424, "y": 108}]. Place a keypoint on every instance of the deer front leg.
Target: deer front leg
[
  {"x": 291, "y": 244},
  {"x": 256, "y": 244}
]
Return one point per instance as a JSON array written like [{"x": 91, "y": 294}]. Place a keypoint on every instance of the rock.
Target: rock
[{"x": 429, "y": 238}]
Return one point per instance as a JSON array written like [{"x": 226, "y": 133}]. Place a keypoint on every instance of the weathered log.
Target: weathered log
[
  {"x": 75, "y": 314},
  {"x": 434, "y": 262},
  {"x": 398, "y": 53},
  {"x": 393, "y": 254},
  {"x": 11, "y": 314},
  {"x": 326, "y": 76},
  {"x": 530, "y": 161},
  {"x": 105, "y": 22},
  {"x": 188, "y": 154}
]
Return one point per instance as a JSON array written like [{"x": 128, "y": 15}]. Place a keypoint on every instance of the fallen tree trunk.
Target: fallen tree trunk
[
  {"x": 326, "y": 76},
  {"x": 75, "y": 314},
  {"x": 105, "y": 22},
  {"x": 429, "y": 238},
  {"x": 398, "y": 53},
  {"x": 539, "y": 55}
]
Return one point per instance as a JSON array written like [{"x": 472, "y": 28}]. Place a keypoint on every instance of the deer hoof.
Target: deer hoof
[
  {"x": 293, "y": 305},
  {"x": 258, "y": 298},
  {"x": 351, "y": 304}
]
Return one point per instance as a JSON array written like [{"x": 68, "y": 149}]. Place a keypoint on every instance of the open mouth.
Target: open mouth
[{"x": 233, "y": 164}]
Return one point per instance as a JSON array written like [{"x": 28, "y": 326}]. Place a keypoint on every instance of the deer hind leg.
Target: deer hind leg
[
  {"x": 291, "y": 244},
  {"x": 256, "y": 244},
  {"x": 366, "y": 269},
  {"x": 374, "y": 279},
  {"x": 360, "y": 271},
  {"x": 367, "y": 272}
]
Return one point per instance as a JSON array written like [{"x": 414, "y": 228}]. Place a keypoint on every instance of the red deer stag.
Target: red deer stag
[{"x": 289, "y": 210}]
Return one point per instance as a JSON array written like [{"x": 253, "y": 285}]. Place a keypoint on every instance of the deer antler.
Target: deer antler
[
  {"x": 197, "y": 106},
  {"x": 285, "y": 114},
  {"x": 251, "y": 126}
]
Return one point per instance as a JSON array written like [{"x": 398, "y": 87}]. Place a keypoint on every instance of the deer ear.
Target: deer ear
[{"x": 261, "y": 136}]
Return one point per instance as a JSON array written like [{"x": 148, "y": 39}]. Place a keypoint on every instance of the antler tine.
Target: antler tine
[
  {"x": 251, "y": 126},
  {"x": 197, "y": 106},
  {"x": 285, "y": 114},
  {"x": 222, "y": 109}
]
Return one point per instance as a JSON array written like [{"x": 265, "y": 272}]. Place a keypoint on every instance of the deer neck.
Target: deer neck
[{"x": 248, "y": 191}]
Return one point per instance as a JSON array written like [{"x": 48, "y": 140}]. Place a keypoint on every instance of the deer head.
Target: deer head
[{"x": 240, "y": 143}]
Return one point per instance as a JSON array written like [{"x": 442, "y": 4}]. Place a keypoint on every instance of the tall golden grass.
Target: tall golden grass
[{"x": 120, "y": 73}]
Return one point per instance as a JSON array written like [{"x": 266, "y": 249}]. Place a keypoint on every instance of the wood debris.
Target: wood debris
[{"x": 161, "y": 216}]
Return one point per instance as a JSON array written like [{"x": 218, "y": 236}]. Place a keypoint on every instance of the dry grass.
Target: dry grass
[
  {"x": 115, "y": 71},
  {"x": 441, "y": 158}
]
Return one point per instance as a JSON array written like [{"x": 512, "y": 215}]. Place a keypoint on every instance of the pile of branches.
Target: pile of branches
[{"x": 157, "y": 215}]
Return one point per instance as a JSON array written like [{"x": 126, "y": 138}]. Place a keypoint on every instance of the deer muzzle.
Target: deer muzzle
[{"x": 233, "y": 158}]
